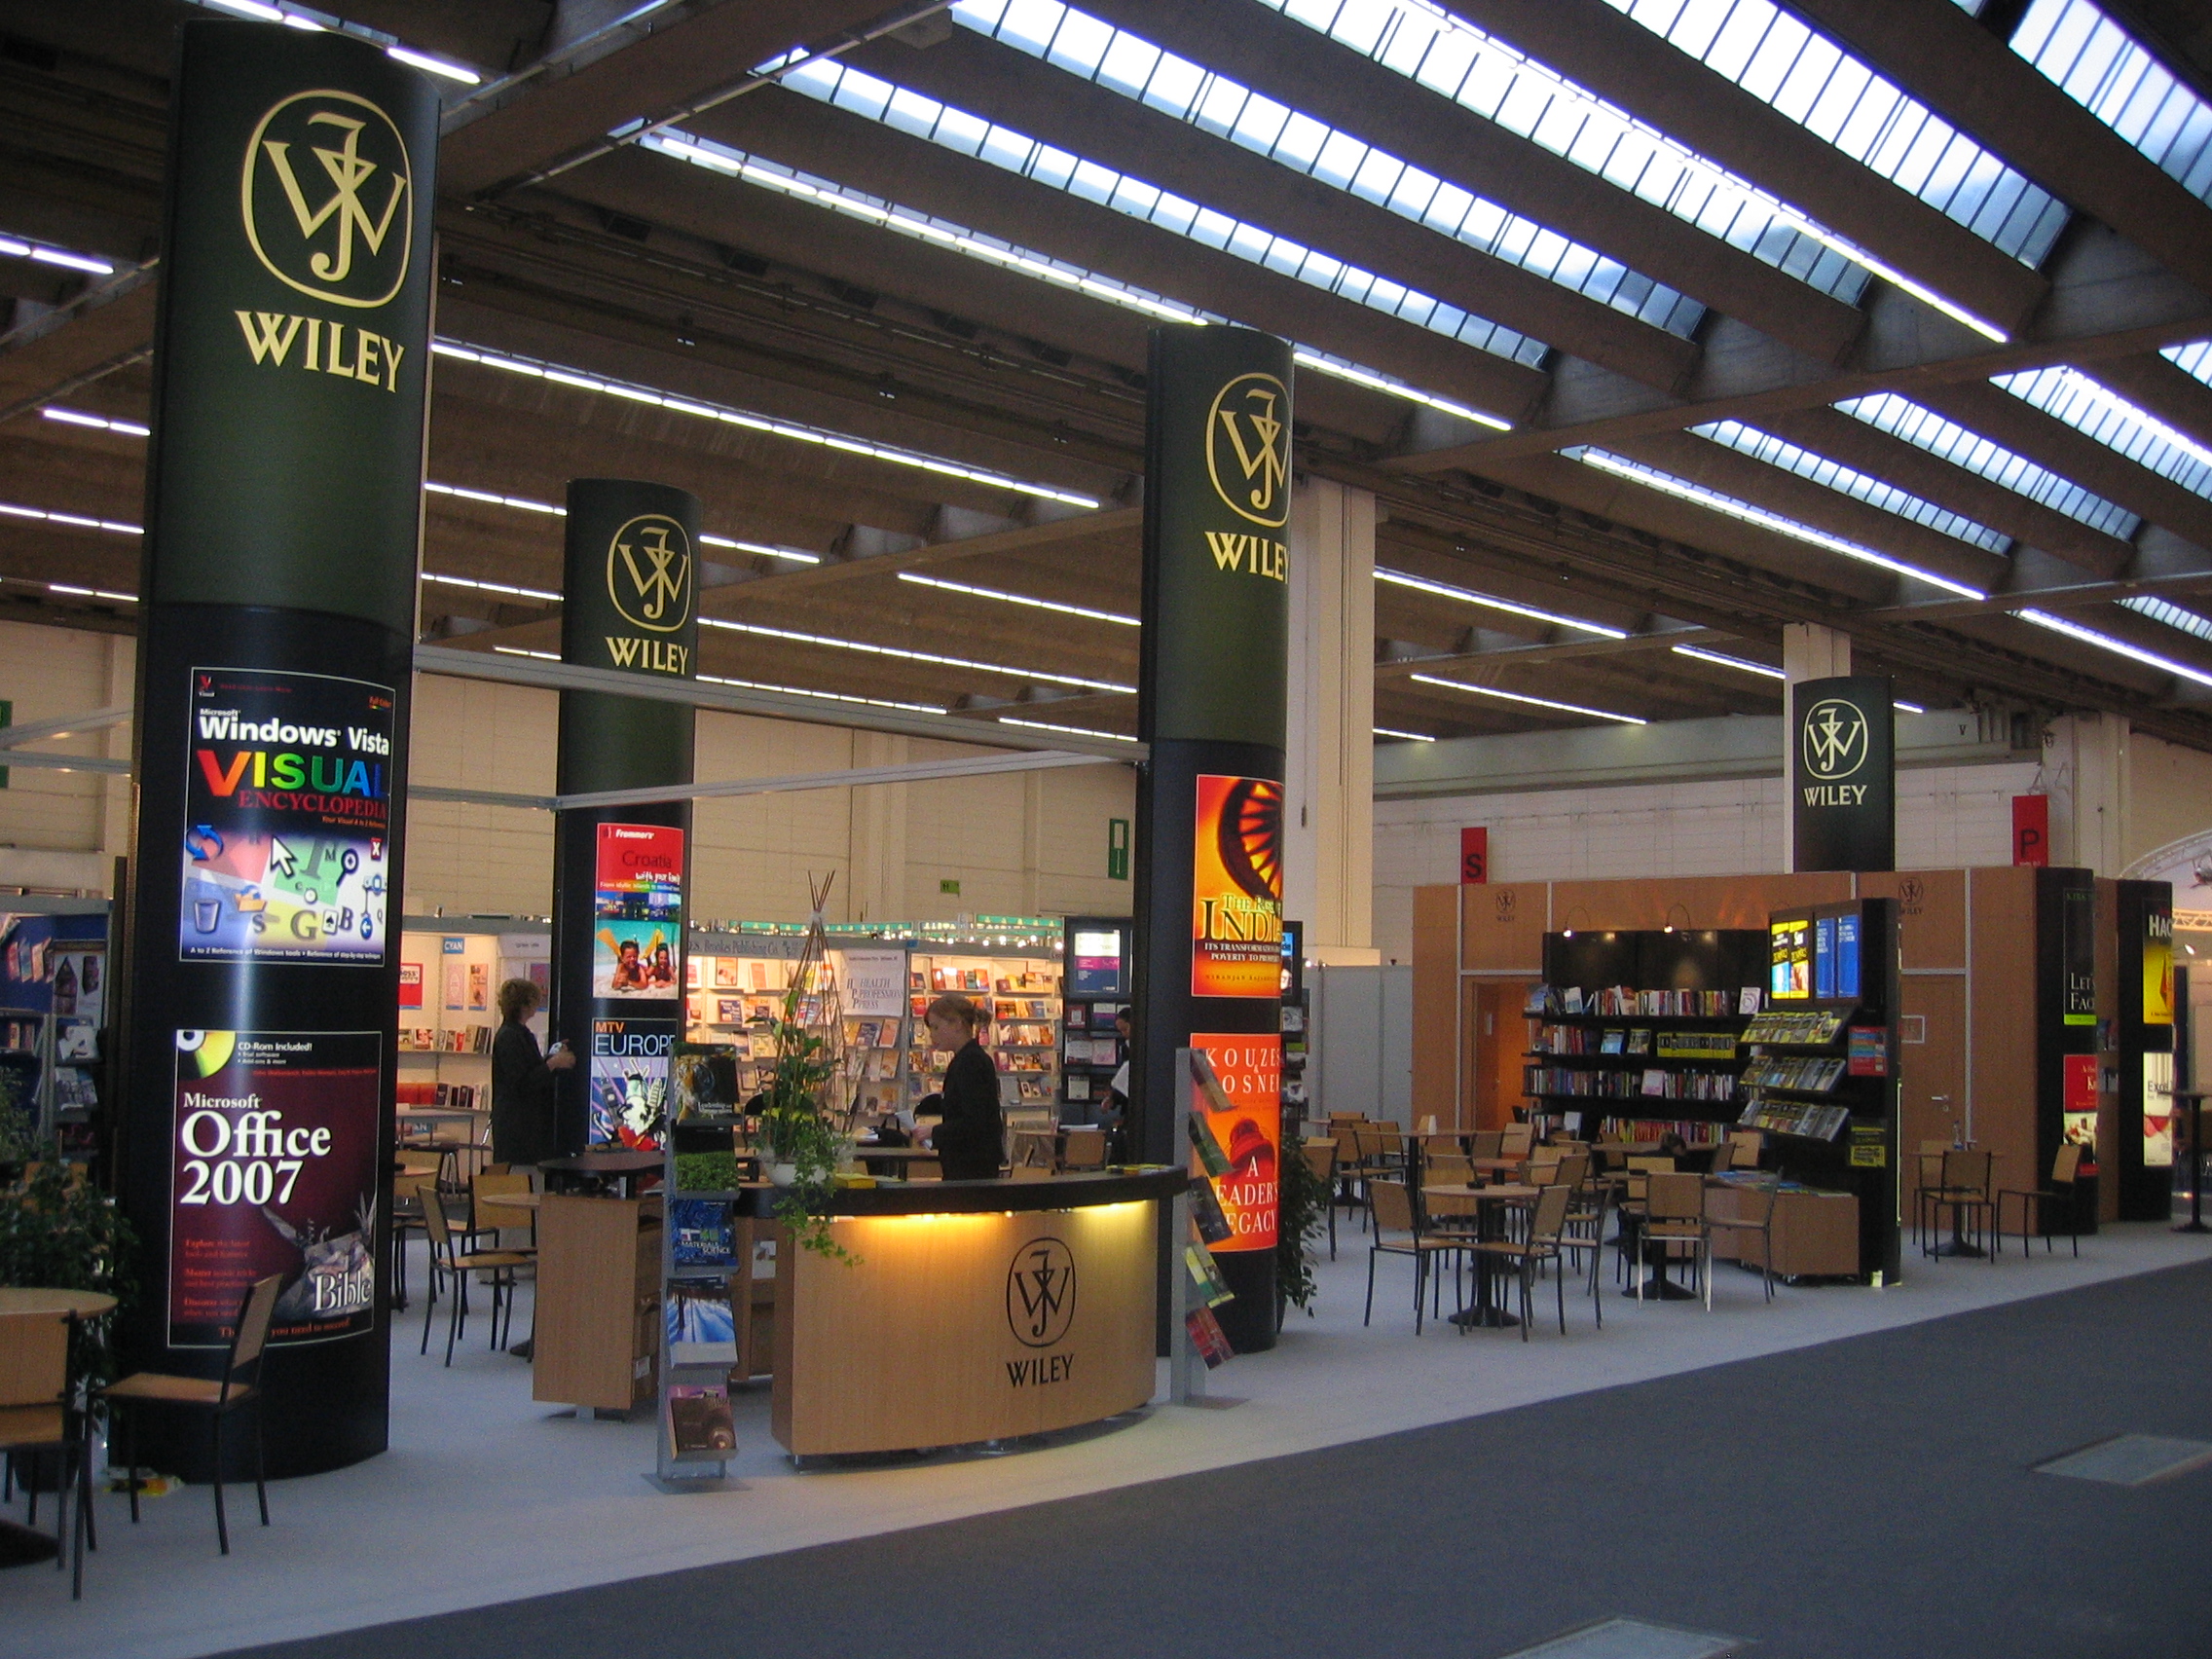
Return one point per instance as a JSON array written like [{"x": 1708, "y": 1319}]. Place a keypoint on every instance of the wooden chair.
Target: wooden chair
[
  {"x": 237, "y": 1388},
  {"x": 1321, "y": 1159},
  {"x": 454, "y": 1265},
  {"x": 1086, "y": 1149},
  {"x": 2062, "y": 1189},
  {"x": 1759, "y": 1220},
  {"x": 1963, "y": 1192},
  {"x": 1674, "y": 1217},
  {"x": 1927, "y": 1176},
  {"x": 1546, "y": 1223},
  {"x": 1485, "y": 1143},
  {"x": 1398, "y": 1232},
  {"x": 36, "y": 1416},
  {"x": 1514, "y": 1141}
]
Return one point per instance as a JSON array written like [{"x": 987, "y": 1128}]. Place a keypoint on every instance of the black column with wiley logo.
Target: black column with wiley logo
[
  {"x": 1843, "y": 774},
  {"x": 261, "y": 988},
  {"x": 1213, "y": 691},
  {"x": 631, "y": 606}
]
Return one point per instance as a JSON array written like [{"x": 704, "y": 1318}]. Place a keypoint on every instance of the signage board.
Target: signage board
[
  {"x": 1843, "y": 774},
  {"x": 1236, "y": 888},
  {"x": 1249, "y": 1134},
  {"x": 2031, "y": 830},
  {"x": 1474, "y": 855}
]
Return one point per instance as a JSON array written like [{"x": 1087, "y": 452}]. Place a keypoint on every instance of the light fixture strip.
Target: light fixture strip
[
  {"x": 1021, "y": 598},
  {"x": 1635, "y": 471},
  {"x": 764, "y": 632},
  {"x": 2118, "y": 646},
  {"x": 1068, "y": 730},
  {"x": 1491, "y": 602},
  {"x": 1532, "y": 702},
  {"x": 45, "y": 253},
  {"x": 1409, "y": 736},
  {"x": 1742, "y": 665}
]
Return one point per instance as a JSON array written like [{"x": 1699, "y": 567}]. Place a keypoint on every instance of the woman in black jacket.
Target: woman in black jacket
[
  {"x": 523, "y": 1132},
  {"x": 971, "y": 1141}
]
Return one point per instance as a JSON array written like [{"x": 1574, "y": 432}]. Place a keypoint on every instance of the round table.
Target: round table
[
  {"x": 77, "y": 1303},
  {"x": 1483, "y": 1312}
]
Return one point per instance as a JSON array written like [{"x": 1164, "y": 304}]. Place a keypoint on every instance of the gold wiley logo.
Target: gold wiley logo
[
  {"x": 1248, "y": 448},
  {"x": 648, "y": 573},
  {"x": 323, "y": 190}
]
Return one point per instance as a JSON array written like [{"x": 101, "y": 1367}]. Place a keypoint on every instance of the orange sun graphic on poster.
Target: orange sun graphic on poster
[{"x": 1236, "y": 888}]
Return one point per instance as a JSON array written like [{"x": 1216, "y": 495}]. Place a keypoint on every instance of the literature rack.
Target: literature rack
[
  {"x": 1020, "y": 994},
  {"x": 1635, "y": 1034},
  {"x": 53, "y": 983},
  {"x": 451, "y": 969},
  {"x": 1096, "y": 959},
  {"x": 734, "y": 988},
  {"x": 1820, "y": 1078}
]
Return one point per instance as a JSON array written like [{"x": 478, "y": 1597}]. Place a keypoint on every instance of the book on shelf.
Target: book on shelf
[
  {"x": 701, "y": 1233},
  {"x": 699, "y": 1419},
  {"x": 1639, "y": 1040},
  {"x": 1612, "y": 1042},
  {"x": 702, "y": 1326}
]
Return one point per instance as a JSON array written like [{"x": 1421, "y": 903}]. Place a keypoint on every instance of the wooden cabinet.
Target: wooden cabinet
[
  {"x": 1815, "y": 1233},
  {"x": 597, "y": 1329}
]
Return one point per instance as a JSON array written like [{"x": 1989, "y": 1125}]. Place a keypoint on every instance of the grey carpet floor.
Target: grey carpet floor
[{"x": 1867, "y": 1497}]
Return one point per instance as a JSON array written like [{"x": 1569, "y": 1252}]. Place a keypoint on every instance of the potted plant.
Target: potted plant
[
  {"x": 59, "y": 1234},
  {"x": 804, "y": 1149}
]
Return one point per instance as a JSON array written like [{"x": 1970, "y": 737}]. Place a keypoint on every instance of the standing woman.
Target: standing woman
[
  {"x": 971, "y": 1140},
  {"x": 522, "y": 1133}
]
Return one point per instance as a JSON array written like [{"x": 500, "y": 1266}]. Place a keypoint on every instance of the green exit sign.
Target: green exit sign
[
  {"x": 948, "y": 885},
  {"x": 1117, "y": 849}
]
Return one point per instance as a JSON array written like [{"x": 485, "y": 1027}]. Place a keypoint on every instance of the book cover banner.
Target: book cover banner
[
  {"x": 638, "y": 907},
  {"x": 273, "y": 1170},
  {"x": 1249, "y": 1135},
  {"x": 630, "y": 1063},
  {"x": 287, "y": 823},
  {"x": 1236, "y": 888}
]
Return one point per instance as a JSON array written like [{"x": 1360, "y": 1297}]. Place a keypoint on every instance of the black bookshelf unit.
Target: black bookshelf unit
[{"x": 1820, "y": 1075}]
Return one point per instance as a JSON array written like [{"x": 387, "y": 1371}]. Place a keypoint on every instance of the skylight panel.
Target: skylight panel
[
  {"x": 2096, "y": 63},
  {"x": 2193, "y": 361},
  {"x": 1126, "y": 63},
  {"x": 1008, "y": 256},
  {"x": 1683, "y": 488},
  {"x": 850, "y": 89},
  {"x": 1859, "y": 486},
  {"x": 2118, "y": 646},
  {"x": 2072, "y": 397},
  {"x": 1803, "y": 75},
  {"x": 1947, "y": 440},
  {"x": 2171, "y": 614}
]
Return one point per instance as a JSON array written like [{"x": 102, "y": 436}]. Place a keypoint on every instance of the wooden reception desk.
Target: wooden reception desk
[{"x": 978, "y": 1310}]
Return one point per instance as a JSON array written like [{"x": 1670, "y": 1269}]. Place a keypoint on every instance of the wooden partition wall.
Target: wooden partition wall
[{"x": 1968, "y": 940}]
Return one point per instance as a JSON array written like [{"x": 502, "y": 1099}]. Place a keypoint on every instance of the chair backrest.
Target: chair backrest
[
  {"x": 1487, "y": 1143},
  {"x": 1450, "y": 1170},
  {"x": 1551, "y": 1214},
  {"x": 1336, "y": 1118},
  {"x": 1745, "y": 1149},
  {"x": 434, "y": 1220},
  {"x": 1543, "y": 1166},
  {"x": 1515, "y": 1139},
  {"x": 1393, "y": 1207},
  {"x": 1390, "y": 1140},
  {"x": 1674, "y": 1197},
  {"x": 1086, "y": 1149},
  {"x": 1756, "y": 1206},
  {"x": 1029, "y": 1172},
  {"x": 35, "y": 1359},
  {"x": 1321, "y": 1158},
  {"x": 1967, "y": 1169},
  {"x": 1573, "y": 1170},
  {"x": 1427, "y": 1126},
  {"x": 2067, "y": 1165},
  {"x": 1366, "y": 1142},
  {"x": 253, "y": 1326},
  {"x": 1652, "y": 1165}
]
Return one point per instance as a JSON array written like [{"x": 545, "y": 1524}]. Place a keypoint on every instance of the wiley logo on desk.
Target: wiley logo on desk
[{"x": 1040, "y": 1306}]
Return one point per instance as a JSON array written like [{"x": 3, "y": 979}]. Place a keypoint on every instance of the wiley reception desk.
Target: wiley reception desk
[{"x": 977, "y": 1310}]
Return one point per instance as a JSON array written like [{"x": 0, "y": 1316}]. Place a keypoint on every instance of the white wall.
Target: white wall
[{"x": 1947, "y": 817}]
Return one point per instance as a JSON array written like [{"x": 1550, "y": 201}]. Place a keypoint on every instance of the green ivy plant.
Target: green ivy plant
[
  {"x": 1305, "y": 1214},
  {"x": 796, "y": 1129},
  {"x": 63, "y": 1235}
]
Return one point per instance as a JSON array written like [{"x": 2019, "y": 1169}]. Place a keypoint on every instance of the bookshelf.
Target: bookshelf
[
  {"x": 1636, "y": 1034},
  {"x": 450, "y": 972},
  {"x": 1096, "y": 958},
  {"x": 1021, "y": 996}
]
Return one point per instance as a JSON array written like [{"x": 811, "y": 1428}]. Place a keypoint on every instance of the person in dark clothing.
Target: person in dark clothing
[
  {"x": 523, "y": 1132},
  {"x": 971, "y": 1140}
]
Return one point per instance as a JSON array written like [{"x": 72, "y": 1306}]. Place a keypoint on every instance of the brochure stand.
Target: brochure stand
[{"x": 1195, "y": 1343}]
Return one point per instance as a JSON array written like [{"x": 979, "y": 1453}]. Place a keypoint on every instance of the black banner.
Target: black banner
[
  {"x": 291, "y": 355},
  {"x": 631, "y": 602},
  {"x": 1843, "y": 774},
  {"x": 1212, "y": 696}
]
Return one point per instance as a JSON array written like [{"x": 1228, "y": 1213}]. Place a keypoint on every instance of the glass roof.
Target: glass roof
[
  {"x": 1947, "y": 440},
  {"x": 874, "y": 211},
  {"x": 1643, "y": 472},
  {"x": 2171, "y": 614},
  {"x": 2193, "y": 361},
  {"x": 1859, "y": 486},
  {"x": 1806, "y": 77},
  {"x": 2068, "y": 395},
  {"x": 1126, "y": 63},
  {"x": 1453, "y": 58},
  {"x": 2096, "y": 63},
  {"x": 848, "y": 88}
]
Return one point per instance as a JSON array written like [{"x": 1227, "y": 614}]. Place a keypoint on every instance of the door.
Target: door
[{"x": 1931, "y": 1048}]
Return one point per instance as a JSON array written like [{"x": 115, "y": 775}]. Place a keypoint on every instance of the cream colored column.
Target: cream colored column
[
  {"x": 2086, "y": 759},
  {"x": 877, "y": 828},
  {"x": 1329, "y": 786},
  {"x": 1809, "y": 651}
]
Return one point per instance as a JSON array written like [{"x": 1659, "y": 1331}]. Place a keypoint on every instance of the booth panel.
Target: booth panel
[
  {"x": 1931, "y": 914},
  {"x": 2003, "y": 1110},
  {"x": 1501, "y": 924},
  {"x": 952, "y": 1329},
  {"x": 1436, "y": 999},
  {"x": 1933, "y": 1072}
]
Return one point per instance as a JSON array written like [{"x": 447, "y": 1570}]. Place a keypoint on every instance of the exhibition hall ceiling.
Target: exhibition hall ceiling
[{"x": 1654, "y": 326}]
